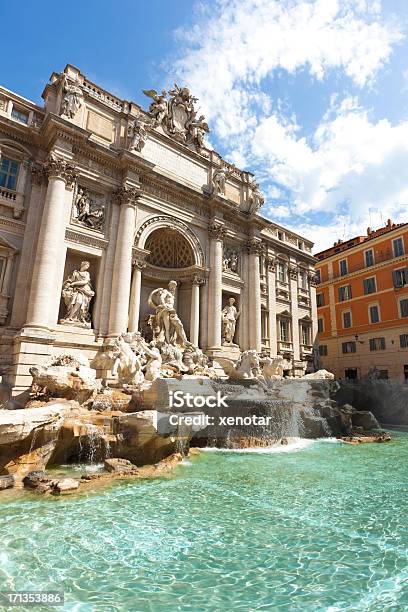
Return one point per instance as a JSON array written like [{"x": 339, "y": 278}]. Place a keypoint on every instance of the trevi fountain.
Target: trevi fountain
[{"x": 167, "y": 439}]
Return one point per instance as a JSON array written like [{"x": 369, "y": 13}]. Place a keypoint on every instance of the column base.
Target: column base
[{"x": 31, "y": 346}]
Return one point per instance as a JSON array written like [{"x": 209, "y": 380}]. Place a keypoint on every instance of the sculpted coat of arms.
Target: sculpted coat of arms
[{"x": 174, "y": 111}]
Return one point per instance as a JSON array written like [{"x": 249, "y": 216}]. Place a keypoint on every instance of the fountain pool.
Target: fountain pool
[{"x": 318, "y": 526}]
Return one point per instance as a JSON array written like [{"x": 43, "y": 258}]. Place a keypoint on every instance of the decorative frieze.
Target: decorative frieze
[{"x": 85, "y": 239}]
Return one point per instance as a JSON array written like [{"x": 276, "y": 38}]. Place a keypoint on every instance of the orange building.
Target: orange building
[{"x": 362, "y": 304}]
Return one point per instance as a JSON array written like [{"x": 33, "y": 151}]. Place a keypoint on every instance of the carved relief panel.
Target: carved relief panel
[{"x": 88, "y": 209}]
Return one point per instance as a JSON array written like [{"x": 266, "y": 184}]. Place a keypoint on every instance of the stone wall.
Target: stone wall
[{"x": 386, "y": 399}]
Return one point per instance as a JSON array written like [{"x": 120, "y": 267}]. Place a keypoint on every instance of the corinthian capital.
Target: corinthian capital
[
  {"x": 127, "y": 195},
  {"x": 216, "y": 230},
  {"x": 56, "y": 167},
  {"x": 139, "y": 262},
  {"x": 254, "y": 245},
  {"x": 38, "y": 174}
]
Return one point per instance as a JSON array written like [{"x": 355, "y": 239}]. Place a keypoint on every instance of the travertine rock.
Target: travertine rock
[{"x": 121, "y": 466}]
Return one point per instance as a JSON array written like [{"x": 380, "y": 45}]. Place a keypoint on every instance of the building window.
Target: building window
[
  {"x": 280, "y": 236},
  {"x": 343, "y": 267},
  {"x": 350, "y": 374},
  {"x": 348, "y": 347},
  {"x": 318, "y": 276},
  {"x": 344, "y": 293},
  {"x": 404, "y": 307},
  {"x": 8, "y": 173},
  {"x": 284, "y": 330},
  {"x": 377, "y": 344},
  {"x": 404, "y": 340},
  {"x": 281, "y": 269},
  {"x": 305, "y": 329},
  {"x": 398, "y": 247},
  {"x": 400, "y": 277},
  {"x": 19, "y": 116},
  {"x": 369, "y": 285},
  {"x": 300, "y": 245},
  {"x": 323, "y": 350},
  {"x": 374, "y": 314},
  {"x": 383, "y": 374},
  {"x": 346, "y": 319},
  {"x": 369, "y": 258},
  {"x": 303, "y": 280},
  {"x": 320, "y": 325},
  {"x": 320, "y": 299}
]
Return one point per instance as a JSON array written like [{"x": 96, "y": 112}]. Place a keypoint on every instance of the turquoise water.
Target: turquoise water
[{"x": 319, "y": 526}]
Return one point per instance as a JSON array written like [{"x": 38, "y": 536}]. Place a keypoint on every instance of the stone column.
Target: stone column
[
  {"x": 195, "y": 310},
  {"x": 61, "y": 174},
  {"x": 134, "y": 307},
  {"x": 216, "y": 231},
  {"x": 127, "y": 198},
  {"x": 271, "y": 267},
  {"x": 254, "y": 247},
  {"x": 293, "y": 280}
]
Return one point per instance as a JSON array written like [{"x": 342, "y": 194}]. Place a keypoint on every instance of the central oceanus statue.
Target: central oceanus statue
[{"x": 165, "y": 323}]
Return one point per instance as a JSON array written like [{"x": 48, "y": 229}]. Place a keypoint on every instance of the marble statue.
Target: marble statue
[
  {"x": 165, "y": 323},
  {"x": 154, "y": 365},
  {"x": 158, "y": 108},
  {"x": 77, "y": 293},
  {"x": 138, "y": 134},
  {"x": 248, "y": 366},
  {"x": 272, "y": 369},
  {"x": 197, "y": 128},
  {"x": 127, "y": 365},
  {"x": 256, "y": 199},
  {"x": 72, "y": 98},
  {"x": 86, "y": 211},
  {"x": 229, "y": 317},
  {"x": 218, "y": 181}
]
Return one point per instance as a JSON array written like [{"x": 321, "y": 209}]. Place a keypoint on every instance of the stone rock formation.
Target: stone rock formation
[{"x": 67, "y": 376}]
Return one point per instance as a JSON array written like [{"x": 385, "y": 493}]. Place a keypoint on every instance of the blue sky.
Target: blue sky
[{"x": 310, "y": 95}]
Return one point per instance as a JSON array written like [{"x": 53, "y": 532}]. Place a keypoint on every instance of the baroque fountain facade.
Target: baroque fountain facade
[{"x": 134, "y": 262}]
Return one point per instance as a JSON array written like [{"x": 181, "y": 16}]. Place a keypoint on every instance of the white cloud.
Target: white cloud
[
  {"x": 235, "y": 44},
  {"x": 350, "y": 163},
  {"x": 350, "y": 160}
]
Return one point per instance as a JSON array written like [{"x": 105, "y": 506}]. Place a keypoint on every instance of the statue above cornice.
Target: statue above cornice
[{"x": 174, "y": 112}]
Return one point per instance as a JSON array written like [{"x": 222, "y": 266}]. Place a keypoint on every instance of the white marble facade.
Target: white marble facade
[{"x": 137, "y": 195}]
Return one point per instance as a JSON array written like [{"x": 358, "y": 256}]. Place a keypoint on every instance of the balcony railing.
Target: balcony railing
[
  {"x": 381, "y": 257},
  {"x": 284, "y": 347},
  {"x": 7, "y": 194}
]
